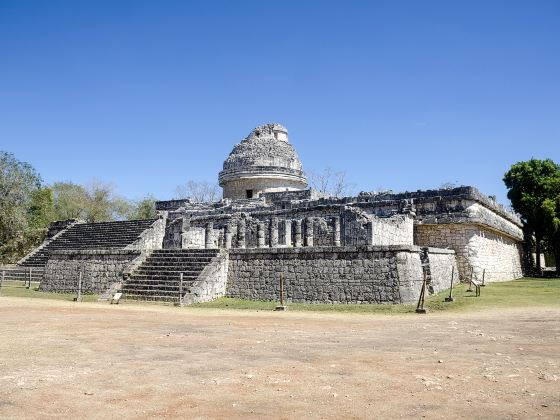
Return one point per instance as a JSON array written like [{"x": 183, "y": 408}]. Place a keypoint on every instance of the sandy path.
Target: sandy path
[{"x": 61, "y": 359}]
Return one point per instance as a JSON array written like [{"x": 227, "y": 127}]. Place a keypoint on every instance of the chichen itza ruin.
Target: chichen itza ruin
[{"x": 371, "y": 248}]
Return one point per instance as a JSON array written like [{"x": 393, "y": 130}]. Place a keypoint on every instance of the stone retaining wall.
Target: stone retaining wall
[
  {"x": 211, "y": 283},
  {"x": 478, "y": 248},
  {"x": 151, "y": 238},
  {"x": 100, "y": 269},
  {"x": 364, "y": 274}
]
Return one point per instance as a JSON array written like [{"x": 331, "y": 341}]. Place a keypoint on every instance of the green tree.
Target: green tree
[
  {"x": 533, "y": 188},
  {"x": 18, "y": 182},
  {"x": 552, "y": 219},
  {"x": 144, "y": 209},
  {"x": 95, "y": 202},
  {"x": 69, "y": 200},
  {"x": 41, "y": 211}
]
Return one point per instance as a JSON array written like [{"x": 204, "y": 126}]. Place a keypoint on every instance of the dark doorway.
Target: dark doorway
[{"x": 249, "y": 193}]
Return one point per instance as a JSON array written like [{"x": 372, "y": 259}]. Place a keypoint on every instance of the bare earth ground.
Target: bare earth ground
[{"x": 62, "y": 359}]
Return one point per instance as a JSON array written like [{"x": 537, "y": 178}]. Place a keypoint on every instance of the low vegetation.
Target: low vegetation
[
  {"x": 524, "y": 292},
  {"x": 17, "y": 289},
  {"x": 516, "y": 293}
]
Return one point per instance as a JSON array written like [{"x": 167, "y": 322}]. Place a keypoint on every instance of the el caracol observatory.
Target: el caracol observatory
[
  {"x": 269, "y": 228},
  {"x": 263, "y": 162}
]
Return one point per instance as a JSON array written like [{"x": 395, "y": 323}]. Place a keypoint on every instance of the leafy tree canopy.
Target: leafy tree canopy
[{"x": 534, "y": 191}]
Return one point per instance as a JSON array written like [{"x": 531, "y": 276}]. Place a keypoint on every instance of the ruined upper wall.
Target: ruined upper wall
[
  {"x": 464, "y": 205},
  {"x": 450, "y": 199}
]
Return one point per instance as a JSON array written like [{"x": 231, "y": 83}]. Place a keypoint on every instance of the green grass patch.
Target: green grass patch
[
  {"x": 516, "y": 293},
  {"x": 14, "y": 288}
]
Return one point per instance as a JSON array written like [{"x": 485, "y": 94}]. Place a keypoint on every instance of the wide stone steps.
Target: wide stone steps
[
  {"x": 158, "y": 278},
  {"x": 161, "y": 276},
  {"x": 85, "y": 236}
]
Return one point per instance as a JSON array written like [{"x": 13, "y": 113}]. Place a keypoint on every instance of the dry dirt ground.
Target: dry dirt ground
[{"x": 67, "y": 360}]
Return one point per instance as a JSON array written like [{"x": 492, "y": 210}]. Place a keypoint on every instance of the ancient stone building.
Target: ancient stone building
[
  {"x": 263, "y": 162},
  {"x": 371, "y": 248}
]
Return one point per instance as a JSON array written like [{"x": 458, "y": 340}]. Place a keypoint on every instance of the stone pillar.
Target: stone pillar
[
  {"x": 273, "y": 232},
  {"x": 241, "y": 233},
  {"x": 288, "y": 232},
  {"x": 208, "y": 233},
  {"x": 260, "y": 235},
  {"x": 185, "y": 224},
  {"x": 336, "y": 231},
  {"x": 298, "y": 233},
  {"x": 227, "y": 236},
  {"x": 309, "y": 231},
  {"x": 369, "y": 233}
]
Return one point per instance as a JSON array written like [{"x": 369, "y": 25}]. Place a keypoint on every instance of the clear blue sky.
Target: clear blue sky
[{"x": 403, "y": 95}]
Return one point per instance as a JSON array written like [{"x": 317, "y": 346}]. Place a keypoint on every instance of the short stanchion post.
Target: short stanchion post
[
  {"x": 282, "y": 306},
  {"x": 470, "y": 281},
  {"x": 483, "y": 278},
  {"x": 450, "y": 297},
  {"x": 180, "y": 289},
  {"x": 2, "y": 281},
  {"x": 79, "y": 293},
  {"x": 420, "y": 307}
]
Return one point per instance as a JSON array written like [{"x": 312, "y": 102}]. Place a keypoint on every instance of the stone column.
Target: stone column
[
  {"x": 208, "y": 233},
  {"x": 336, "y": 231},
  {"x": 298, "y": 233},
  {"x": 288, "y": 232},
  {"x": 260, "y": 235},
  {"x": 180, "y": 239},
  {"x": 227, "y": 236},
  {"x": 241, "y": 233},
  {"x": 369, "y": 233},
  {"x": 185, "y": 224},
  {"x": 273, "y": 232},
  {"x": 309, "y": 231}
]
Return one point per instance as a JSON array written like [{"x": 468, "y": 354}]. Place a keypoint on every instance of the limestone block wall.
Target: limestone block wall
[
  {"x": 442, "y": 263},
  {"x": 365, "y": 274},
  {"x": 361, "y": 228},
  {"x": 211, "y": 282},
  {"x": 499, "y": 255},
  {"x": 478, "y": 248},
  {"x": 151, "y": 238},
  {"x": 193, "y": 237},
  {"x": 395, "y": 230},
  {"x": 100, "y": 269}
]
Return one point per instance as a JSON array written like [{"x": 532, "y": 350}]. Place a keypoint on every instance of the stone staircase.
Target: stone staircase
[
  {"x": 157, "y": 279},
  {"x": 104, "y": 235}
]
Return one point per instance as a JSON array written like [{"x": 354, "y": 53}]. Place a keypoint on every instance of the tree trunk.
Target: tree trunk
[
  {"x": 556, "y": 253},
  {"x": 539, "y": 251}
]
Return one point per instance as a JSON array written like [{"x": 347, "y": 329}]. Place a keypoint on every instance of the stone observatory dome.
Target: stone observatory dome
[{"x": 263, "y": 162}]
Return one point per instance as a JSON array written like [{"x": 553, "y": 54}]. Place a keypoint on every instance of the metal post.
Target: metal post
[
  {"x": 483, "y": 277},
  {"x": 420, "y": 307},
  {"x": 30, "y": 273},
  {"x": 2, "y": 281},
  {"x": 470, "y": 281},
  {"x": 79, "y": 295},
  {"x": 181, "y": 289},
  {"x": 450, "y": 297},
  {"x": 282, "y": 306}
]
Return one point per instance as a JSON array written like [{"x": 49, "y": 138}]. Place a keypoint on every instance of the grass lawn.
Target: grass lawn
[
  {"x": 17, "y": 289},
  {"x": 516, "y": 293},
  {"x": 523, "y": 292}
]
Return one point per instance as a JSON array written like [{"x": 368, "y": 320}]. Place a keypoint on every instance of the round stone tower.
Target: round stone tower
[{"x": 263, "y": 162}]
